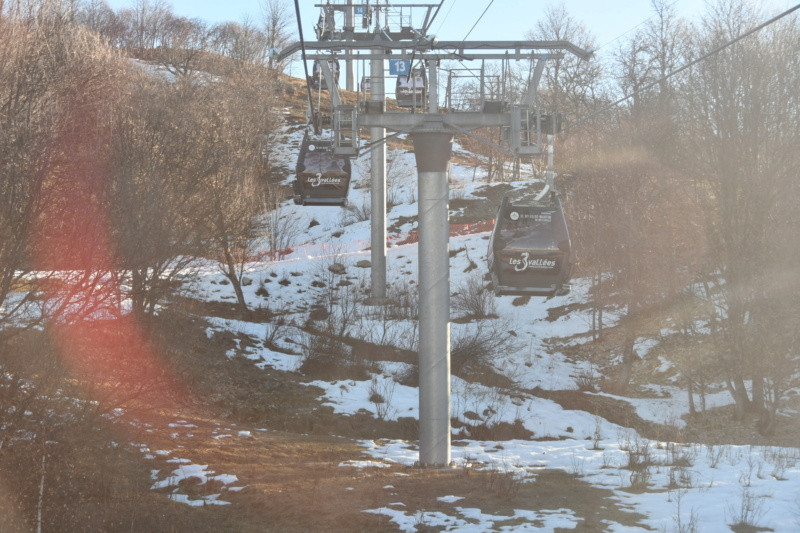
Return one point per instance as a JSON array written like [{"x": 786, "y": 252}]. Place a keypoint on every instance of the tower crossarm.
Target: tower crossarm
[{"x": 445, "y": 49}]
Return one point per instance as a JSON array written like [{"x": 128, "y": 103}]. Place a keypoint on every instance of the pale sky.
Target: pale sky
[
  {"x": 608, "y": 20},
  {"x": 611, "y": 22}
]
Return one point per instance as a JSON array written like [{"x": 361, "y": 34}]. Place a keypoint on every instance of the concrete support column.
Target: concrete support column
[
  {"x": 349, "y": 22},
  {"x": 433, "y": 86},
  {"x": 378, "y": 189},
  {"x": 433, "y": 150}
]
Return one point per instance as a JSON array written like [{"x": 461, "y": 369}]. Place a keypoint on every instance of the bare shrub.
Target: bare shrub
[
  {"x": 325, "y": 356},
  {"x": 399, "y": 172},
  {"x": 479, "y": 344},
  {"x": 639, "y": 455},
  {"x": 640, "y": 479},
  {"x": 458, "y": 194},
  {"x": 747, "y": 515},
  {"x": 716, "y": 453},
  {"x": 279, "y": 227},
  {"x": 472, "y": 298},
  {"x": 380, "y": 395},
  {"x": 586, "y": 380},
  {"x": 404, "y": 301},
  {"x": 355, "y": 212},
  {"x": 336, "y": 294},
  {"x": 679, "y": 455},
  {"x": 275, "y": 329},
  {"x": 684, "y": 524},
  {"x": 504, "y": 483},
  {"x": 781, "y": 459},
  {"x": 597, "y": 436}
]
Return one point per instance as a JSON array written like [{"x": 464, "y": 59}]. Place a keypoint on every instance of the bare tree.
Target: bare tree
[
  {"x": 24, "y": 123},
  {"x": 96, "y": 15},
  {"x": 570, "y": 85},
  {"x": 278, "y": 20},
  {"x": 147, "y": 20},
  {"x": 745, "y": 117},
  {"x": 638, "y": 229},
  {"x": 233, "y": 195},
  {"x": 643, "y": 62},
  {"x": 164, "y": 150},
  {"x": 241, "y": 42},
  {"x": 183, "y": 43},
  {"x": 59, "y": 93}
]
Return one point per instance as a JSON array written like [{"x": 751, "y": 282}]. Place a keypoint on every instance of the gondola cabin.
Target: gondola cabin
[
  {"x": 529, "y": 250},
  {"x": 322, "y": 178},
  {"x": 326, "y": 25},
  {"x": 412, "y": 90},
  {"x": 318, "y": 81}
]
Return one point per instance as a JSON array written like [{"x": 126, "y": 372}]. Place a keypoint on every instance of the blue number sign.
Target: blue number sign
[{"x": 399, "y": 67}]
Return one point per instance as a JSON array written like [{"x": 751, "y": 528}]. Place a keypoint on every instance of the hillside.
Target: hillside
[
  {"x": 185, "y": 349},
  {"x": 304, "y": 416}
]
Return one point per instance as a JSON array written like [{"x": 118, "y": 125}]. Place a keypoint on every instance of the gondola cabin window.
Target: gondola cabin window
[
  {"x": 528, "y": 230},
  {"x": 320, "y": 162}
]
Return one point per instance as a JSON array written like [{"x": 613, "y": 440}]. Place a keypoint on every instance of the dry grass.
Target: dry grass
[
  {"x": 294, "y": 484},
  {"x": 270, "y": 431}
]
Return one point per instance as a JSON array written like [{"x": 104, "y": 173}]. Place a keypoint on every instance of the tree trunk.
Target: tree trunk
[
  {"x": 230, "y": 273},
  {"x": 138, "y": 291},
  {"x": 690, "y": 392},
  {"x": 626, "y": 368},
  {"x": 597, "y": 306},
  {"x": 703, "y": 394},
  {"x": 40, "y": 505},
  {"x": 736, "y": 388},
  {"x": 758, "y": 403}
]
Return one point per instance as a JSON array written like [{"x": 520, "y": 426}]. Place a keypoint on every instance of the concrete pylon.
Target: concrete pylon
[
  {"x": 377, "y": 190},
  {"x": 349, "y": 80},
  {"x": 433, "y": 150}
]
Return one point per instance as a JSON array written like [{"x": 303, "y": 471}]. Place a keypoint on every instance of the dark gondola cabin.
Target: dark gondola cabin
[
  {"x": 322, "y": 178},
  {"x": 411, "y": 90},
  {"x": 318, "y": 81},
  {"x": 326, "y": 25},
  {"x": 529, "y": 251}
]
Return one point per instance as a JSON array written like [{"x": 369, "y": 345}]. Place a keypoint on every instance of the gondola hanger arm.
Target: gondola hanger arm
[
  {"x": 333, "y": 89},
  {"x": 533, "y": 85}
]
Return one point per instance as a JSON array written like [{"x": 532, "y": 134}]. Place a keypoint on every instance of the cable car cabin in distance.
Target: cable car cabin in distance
[
  {"x": 412, "y": 90},
  {"x": 529, "y": 250},
  {"x": 322, "y": 178},
  {"x": 318, "y": 81}
]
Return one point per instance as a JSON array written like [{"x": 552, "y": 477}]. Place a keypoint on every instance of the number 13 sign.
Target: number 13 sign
[{"x": 399, "y": 67}]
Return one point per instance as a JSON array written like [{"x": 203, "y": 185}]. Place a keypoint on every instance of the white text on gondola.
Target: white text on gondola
[
  {"x": 523, "y": 263},
  {"x": 318, "y": 180}
]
